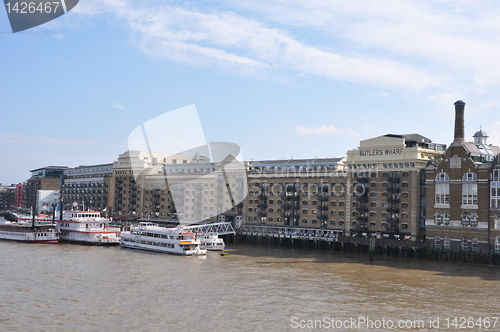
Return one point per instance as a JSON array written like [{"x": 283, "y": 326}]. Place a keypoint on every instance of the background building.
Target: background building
[
  {"x": 45, "y": 178},
  {"x": 298, "y": 193},
  {"x": 86, "y": 187},
  {"x": 7, "y": 197}
]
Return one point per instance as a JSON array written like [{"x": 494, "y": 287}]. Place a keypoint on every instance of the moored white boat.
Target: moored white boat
[
  {"x": 29, "y": 232},
  {"x": 212, "y": 242},
  {"x": 87, "y": 227},
  {"x": 149, "y": 236}
]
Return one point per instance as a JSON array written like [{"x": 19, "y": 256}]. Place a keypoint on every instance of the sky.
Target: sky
[{"x": 279, "y": 78}]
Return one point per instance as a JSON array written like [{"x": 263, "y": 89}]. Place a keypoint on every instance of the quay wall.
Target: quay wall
[{"x": 384, "y": 247}]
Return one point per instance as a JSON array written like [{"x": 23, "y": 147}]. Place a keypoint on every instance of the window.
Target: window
[
  {"x": 446, "y": 242},
  {"x": 464, "y": 243},
  {"x": 497, "y": 244},
  {"x": 438, "y": 218},
  {"x": 469, "y": 177},
  {"x": 332, "y": 222},
  {"x": 475, "y": 244},
  {"x": 373, "y": 194},
  {"x": 473, "y": 219},
  {"x": 437, "y": 241},
  {"x": 446, "y": 218},
  {"x": 469, "y": 194},
  {"x": 495, "y": 189}
]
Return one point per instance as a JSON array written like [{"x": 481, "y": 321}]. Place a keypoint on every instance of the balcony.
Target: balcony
[
  {"x": 393, "y": 200},
  {"x": 393, "y": 221},
  {"x": 362, "y": 219},
  {"x": 323, "y": 208},
  {"x": 394, "y": 179},
  {"x": 393, "y": 189},
  {"x": 362, "y": 199},
  {"x": 363, "y": 179},
  {"x": 362, "y": 209},
  {"x": 393, "y": 209}
]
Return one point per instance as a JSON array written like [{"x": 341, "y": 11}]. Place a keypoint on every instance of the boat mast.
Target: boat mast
[{"x": 33, "y": 209}]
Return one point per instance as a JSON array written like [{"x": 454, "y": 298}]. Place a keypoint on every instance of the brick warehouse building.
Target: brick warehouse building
[{"x": 462, "y": 194}]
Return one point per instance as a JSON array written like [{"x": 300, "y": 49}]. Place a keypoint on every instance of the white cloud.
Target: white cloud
[
  {"x": 121, "y": 107},
  {"x": 240, "y": 44},
  {"x": 457, "y": 41},
  {"x": 41, "y": 143},
  {"x": 321, "y": 130}
]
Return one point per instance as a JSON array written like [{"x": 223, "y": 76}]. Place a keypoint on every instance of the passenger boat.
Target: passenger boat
[
  {"x": 87, "y": 227},
  {"x": 212, "y": 242},
  {"x": 29, "y": 232},
  {"x": 149, "y": 236}
]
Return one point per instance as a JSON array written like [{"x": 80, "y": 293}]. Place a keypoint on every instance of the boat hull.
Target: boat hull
[{"x": 164, "y": 250}]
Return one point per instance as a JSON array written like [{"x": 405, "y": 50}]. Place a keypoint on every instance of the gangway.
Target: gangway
[{"x": 221, "y": 228}]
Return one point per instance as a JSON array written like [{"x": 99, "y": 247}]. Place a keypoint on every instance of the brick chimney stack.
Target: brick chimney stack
[{"x": 459, "y": 137}]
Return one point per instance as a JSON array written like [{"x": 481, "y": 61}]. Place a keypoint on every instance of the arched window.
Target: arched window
[
  {"x": 465, "y": 219},
  {"x": 497, "y": 244},
  {"x": 473, "y": 219},
  {"x": 469, "y": 177},
  {"x": 438, "y": 218},
  {"x": 446, "y": 218},
  {"x": 464, "y": 243},
  {"x": 446, "y": 242},
  {"x": 442, "y": 177},
  {"x": 437, "y": 241},
  {"x": 475, "y": 244},
  {"x": 442, "y": 188}
]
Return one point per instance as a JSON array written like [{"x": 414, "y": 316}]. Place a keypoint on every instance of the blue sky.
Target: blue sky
[{"x": 279, "y": 78}]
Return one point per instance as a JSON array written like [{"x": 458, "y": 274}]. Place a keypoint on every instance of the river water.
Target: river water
[{"x": 67, "y": 287}]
